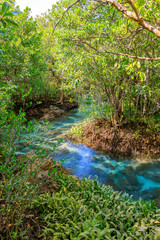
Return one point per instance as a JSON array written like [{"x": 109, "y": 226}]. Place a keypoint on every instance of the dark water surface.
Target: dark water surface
[{"x": 138, "y": 177}]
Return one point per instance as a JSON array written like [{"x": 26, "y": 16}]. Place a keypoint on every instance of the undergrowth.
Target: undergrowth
[
  {"x": 79, "y": 210},
  {"x": 85, "y": 210},
  {"x": 77, "y": 130}
]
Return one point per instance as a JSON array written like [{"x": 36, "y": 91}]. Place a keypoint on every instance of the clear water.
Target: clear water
[{"x": 140, "y": 178}]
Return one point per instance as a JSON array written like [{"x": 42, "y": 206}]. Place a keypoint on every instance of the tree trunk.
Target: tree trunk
[
  {"x": 62, "y": 97},
  {"x": 146, "y": 95}
]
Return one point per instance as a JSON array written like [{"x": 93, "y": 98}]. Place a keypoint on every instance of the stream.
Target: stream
[{"x": 138, "y": 177}]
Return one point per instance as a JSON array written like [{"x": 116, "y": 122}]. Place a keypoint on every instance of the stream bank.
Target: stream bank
[
  {"x": 46, "y": 110},
  {"x": 125, "y": 142},
  {"x": 138, "y": 177}
]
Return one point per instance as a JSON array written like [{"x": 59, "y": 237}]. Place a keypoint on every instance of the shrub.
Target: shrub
[{"x": 85, "y": 210}]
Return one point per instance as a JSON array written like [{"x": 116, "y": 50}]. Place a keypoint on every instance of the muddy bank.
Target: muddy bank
[
  {"x": 46, "y": 169},
  {"x": 101, "y": 135},
  {"x": 49, "y": 110}
]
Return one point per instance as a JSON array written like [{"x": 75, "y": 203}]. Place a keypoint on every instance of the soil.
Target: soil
[
  {"x": 46, "y": 110},
  {"x": 124, "y": 141}
]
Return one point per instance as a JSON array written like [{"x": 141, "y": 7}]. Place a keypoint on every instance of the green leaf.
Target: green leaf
[
  {"x": 4, "y": 23},
  {"x": 8, "y": 14},
  {"x": 85, "y": 233},
  {"x": 5, "y": 7},
  {"x": 11, "y": 22},
  {"x": 1, "y": 32}
]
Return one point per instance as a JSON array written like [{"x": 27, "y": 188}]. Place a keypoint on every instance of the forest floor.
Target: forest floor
[{"x": 123, "y": 141}]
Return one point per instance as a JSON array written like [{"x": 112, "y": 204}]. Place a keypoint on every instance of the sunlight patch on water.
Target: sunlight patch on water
[
  {"x": 147, "y": 183},
  {"x": 83, "y": 161}
]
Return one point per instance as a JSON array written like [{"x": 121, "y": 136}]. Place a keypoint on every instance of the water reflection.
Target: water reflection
[{"x": 138, "y": 178}]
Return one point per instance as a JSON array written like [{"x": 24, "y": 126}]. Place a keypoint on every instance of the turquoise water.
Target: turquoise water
[{"x": 138, "y": 177}]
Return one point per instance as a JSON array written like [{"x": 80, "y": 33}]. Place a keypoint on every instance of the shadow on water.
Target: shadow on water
[{"x": 139, "y": 178}]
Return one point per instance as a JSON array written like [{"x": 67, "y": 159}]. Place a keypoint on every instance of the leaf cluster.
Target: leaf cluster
[{"x": 85, "y": 210}]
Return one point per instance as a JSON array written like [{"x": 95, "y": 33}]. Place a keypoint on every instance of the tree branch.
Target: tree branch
[
  {"x": 114, "y": 53},
  {"x": 134, "y": 8},
  {"x": 65, "y": 13},
  {"x": 133, "y": 15}
]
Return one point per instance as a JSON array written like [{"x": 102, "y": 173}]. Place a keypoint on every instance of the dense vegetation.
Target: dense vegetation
[
  {"x": 108, "y": 58},
  {"x": 104, "y": 52},
  {"x": 87, "y": 211}
]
